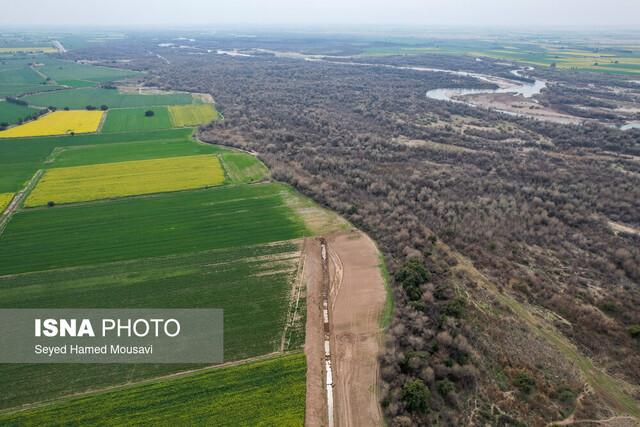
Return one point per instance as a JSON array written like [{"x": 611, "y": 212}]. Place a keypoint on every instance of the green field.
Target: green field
[
  {"x": 231, "y": 247},
  {"x": 243, "y": 168},
  {"x": 173, "y": 223},
  {"x": 573, "y": 54},
  {"x": 80, "y": 155},
  {"x": 81, "y": 97},
  {"x": 267, "y": 393},
  {"x": 20, "y": 158},
  {"x": 12, "y": 113},
  {"x": 193, "y": 115},
  {"x": 17, "y": 90},
  {"x": 18, "y": 74},
  {"x": 17, "y": 78},
  {"x": 238, "y": 280},
  {"x": 77, "y": 83},
  {"x": 134, "y": 119},
  {"x": 67, "y": 70}
]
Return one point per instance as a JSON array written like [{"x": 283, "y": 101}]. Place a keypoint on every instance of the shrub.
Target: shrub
[
  {"x": 104, "y": 107},
  {"x": 445, "y": 386},
  {"x": 149, "y": 113},
  {"x": 410, "y": 276},
  {"x": 524, "y": 382},
  {"x": 16, "y": 101},
  {"x": 416, "y": 395},
  {"x": 634, "y": 331},
  {"x": 454, "y": 308},
  {"x": 565, "y": 394},
  {"x": 51, "y": 203}
]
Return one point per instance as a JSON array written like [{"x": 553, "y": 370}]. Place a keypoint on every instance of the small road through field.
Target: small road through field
[
  {"x": 17, "y": 199},
  {"x": 345, "y": 296}
]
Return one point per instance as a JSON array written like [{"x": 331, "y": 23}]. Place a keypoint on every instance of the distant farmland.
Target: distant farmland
[
  {"x": 37, "y": 49},
  {"x": 268, "y": 393},
  {"x": 81, "y": 97},
  {"x": 66, "y": 70},
  {"x": 12, "y": 113}
]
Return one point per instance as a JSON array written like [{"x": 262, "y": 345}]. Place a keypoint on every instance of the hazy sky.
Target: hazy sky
[{"x": 323, "y": 12}]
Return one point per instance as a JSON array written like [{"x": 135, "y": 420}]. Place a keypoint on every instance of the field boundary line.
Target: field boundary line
[
  {"x": 44, "y": 403},
  {"x": 296, "y": 291},
  {"x": 17, "y": 200}
]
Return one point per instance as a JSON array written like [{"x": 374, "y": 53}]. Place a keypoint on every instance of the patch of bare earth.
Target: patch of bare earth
[
  {"x": 357, "y": 299},
  {"x": 622, "y": 228},
  {"x": 520, "y": 105}
]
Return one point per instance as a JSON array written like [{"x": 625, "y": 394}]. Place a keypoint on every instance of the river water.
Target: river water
[
  {"x": 515, "y": 87},
  {"x": 632, "y": 125}
]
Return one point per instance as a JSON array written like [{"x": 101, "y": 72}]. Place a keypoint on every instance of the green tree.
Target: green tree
[{"x": 416, "y": 395}]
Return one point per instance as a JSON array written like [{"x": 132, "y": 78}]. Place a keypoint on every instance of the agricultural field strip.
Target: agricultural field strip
[
  {"x": 271, "y": 257},
  {"x": 238, "y": 279},
  {"x": 135, "y": 119},
  {"x": 81, "y": 155},
  {"x": 78, "y": 98},
  {"x": 146, "y": 227},
  {"x": 192, "y": 115},
  {"x": 114, "y": 180},
  {"x": 278, "y": 381},
  {"x": 21, "y": 157},
  {"x": 243, "y": 167},
  {"x": 57, "y": 123},
  {"x": 159, "y": 378}
]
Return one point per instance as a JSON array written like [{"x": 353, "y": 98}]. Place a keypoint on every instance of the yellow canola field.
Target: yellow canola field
[
  {"x": 43, "y": 49},
  {"x": 57, "y": 123},
  {"x": 111, "y": 180},
  {"x": 5, "y": 199}
]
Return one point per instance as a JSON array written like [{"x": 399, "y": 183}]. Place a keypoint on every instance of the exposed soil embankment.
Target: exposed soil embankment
[{"x": 357, "y": 299}]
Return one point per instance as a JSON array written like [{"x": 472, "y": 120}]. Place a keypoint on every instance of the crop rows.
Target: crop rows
[
  {"x": 144, "y": 227},
  {"x": 251, "y": 284},
  {"x": 270, "y": 392}
]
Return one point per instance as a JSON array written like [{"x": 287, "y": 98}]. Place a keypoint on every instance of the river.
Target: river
[{"x": 515, "y": 87}]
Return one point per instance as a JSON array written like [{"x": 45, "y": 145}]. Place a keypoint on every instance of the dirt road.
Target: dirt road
[
  {"x": 316, "y": 405},
  {"x": 357, "y": 299}
]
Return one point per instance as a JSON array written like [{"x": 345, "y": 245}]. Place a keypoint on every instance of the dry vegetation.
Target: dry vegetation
[{"x": 496, "y": 229}]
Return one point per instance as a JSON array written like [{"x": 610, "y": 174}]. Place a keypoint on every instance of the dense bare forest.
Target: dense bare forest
[{"x": 502, "y": 233}]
